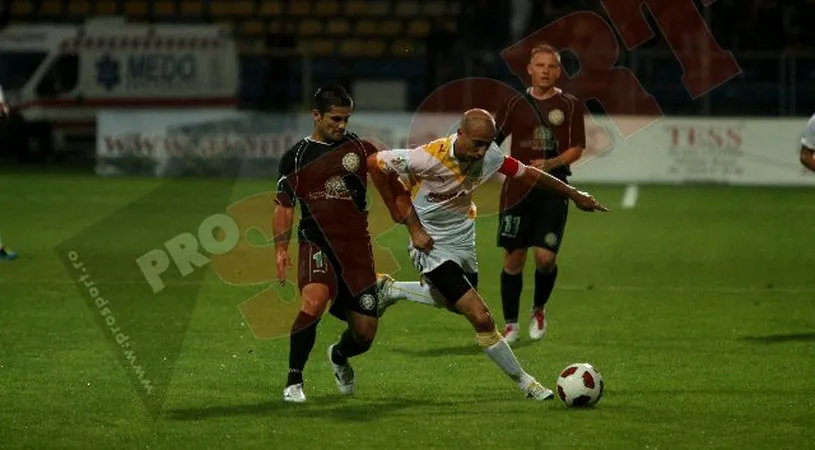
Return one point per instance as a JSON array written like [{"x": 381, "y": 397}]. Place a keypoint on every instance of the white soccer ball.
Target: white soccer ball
[{"x": 580, "y": 385}]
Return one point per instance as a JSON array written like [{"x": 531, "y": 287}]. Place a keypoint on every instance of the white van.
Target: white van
[{"x": 55, "y": 78}]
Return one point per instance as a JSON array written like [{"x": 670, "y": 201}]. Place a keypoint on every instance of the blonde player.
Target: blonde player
[
  {"x": 447, "y": 171},
  {"x": 808, "y": 145}
]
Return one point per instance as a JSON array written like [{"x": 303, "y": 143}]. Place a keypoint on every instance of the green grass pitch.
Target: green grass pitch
[{"x": 697, "y": 306}]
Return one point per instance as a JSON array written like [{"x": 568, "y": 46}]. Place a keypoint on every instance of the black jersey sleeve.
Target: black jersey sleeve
[{"x": 285, "y": 191}]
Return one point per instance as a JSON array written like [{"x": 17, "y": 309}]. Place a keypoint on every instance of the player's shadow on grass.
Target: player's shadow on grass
[
  {"x": 781, "y": 338},
  {"x": 335, "y": 407},
  {"x": 459, "y": 350}
]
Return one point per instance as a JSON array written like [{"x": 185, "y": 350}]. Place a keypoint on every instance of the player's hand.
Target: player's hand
[
  {"x": 283, "y": 264},
  {"x": 421, "y": 240},
  {"x": 586, "y": 202},
  {"x": 539, "y": 164}
]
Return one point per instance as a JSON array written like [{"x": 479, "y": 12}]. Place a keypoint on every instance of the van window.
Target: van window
[
  {"x": 16, "y": 68},
  {"x": 61, "y": 77}
]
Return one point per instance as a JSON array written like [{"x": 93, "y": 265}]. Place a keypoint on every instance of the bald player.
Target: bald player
[
  {"x": 444, "y": 173},
  {"x": 808, "y": 145}
]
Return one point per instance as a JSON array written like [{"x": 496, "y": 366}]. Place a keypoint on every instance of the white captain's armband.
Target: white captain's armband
[{"x": 511, "y": 167}]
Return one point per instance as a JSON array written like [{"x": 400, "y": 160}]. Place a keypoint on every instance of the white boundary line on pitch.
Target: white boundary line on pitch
[{"x": 630, "y": 196}]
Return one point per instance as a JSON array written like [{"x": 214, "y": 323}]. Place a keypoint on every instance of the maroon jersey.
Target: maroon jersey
[
  {"x": 540, "y": 129},
  {"x": 329, "y": 180}
]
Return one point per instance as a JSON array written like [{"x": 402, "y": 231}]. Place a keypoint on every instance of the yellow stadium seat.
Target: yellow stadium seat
[
  {"x": 231, "y": 8},
  {"x": 407, "y": 8},
  {"x": 299, "y": 8},
  {"x": 106, "y": 8},
  {"x": 356, "y": 8},
  {"x": 374, "y": 48},
  {"x": 418, "y": 28},
  {"x": 271, "y": 8},
  {"x": 310, "y": 27},
  {"x": 51, "y": 8},
  {"x": 365, "y": 28},
  {"x": 135, "y": 9},
  {"x": 379, "y": 8},
  {"x": 244, "y": 8},
  {"x": 192, "y": 8},
  {"x": 321, "y": 47},
  {"x": 390, "y": 27},
  {"x": 164, "y": 9},
  {"x": 251, "y": 46},
  {"x": 437, "y": 8},
  {"x": 338, "y": 27},
  {"x": 274, "y": 26},
  {"x": 79, "y": 8},
  {"x": 404, "y": 47},
  {"x": 327, "y": 8},
  {"x": 359, "y": 47},
  {"x": 253, "y": 27},
  {"x": 22, "y": 8}
]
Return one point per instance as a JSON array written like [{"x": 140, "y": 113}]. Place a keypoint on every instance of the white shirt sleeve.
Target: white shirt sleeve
[
  {"x": 496, "y": 161},
  {"x": 808, "y": 140},
  {"x": 403, "y": 161}
]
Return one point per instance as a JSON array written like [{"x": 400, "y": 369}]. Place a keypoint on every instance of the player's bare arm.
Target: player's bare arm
[
  {"x": 539, "y": 179},
  {"x": 567, "y": 158},
  {"x": 808, "y": 158},
  {"x": 399, "y": 204},
  {"x": 283, "y": 221}
]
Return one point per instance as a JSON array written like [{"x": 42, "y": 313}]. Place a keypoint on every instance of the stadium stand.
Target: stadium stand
[{"x": 414, "y": 40}]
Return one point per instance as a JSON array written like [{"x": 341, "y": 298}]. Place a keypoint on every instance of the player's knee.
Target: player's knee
[
  {"x": 364, "y": 333},
  {"x": 314, "y": 299},
  {"x": 514, "y": 261},
  {"x": 545, "y": 260},
  {"x": 480, "y": 318}
]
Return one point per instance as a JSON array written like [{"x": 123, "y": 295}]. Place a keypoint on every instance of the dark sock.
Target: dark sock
[
  {"x": 511, "y": 287},
  {"x": 347, "y": 348},
  {"x": 544, "y": 283},
  {"x": 301, "y": 341}
]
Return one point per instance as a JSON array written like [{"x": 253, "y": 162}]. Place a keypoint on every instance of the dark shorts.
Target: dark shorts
[
  {"x": 452, "y": 281},
  {"x": 537, "y": 220},
  {"x": 347, "y": 268}
]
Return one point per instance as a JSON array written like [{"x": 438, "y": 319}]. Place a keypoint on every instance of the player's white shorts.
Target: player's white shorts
[{"x": 464, "y": 257}]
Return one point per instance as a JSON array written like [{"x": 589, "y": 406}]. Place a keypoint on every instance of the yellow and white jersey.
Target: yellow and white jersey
[
  {"x": 808, "y": 140},
  {"x": 443, "y": 189}
]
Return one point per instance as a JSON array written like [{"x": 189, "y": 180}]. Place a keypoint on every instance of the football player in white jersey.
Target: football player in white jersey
[
  {"x": 444, "y": 174},
  {"x": 808, "y": 145},
  {"x": 5, "y": 253}
]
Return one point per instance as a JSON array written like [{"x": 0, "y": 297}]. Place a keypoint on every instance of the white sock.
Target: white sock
[
  {"x": 414, "y": 291},
  {"x": 503, "y": 356}
]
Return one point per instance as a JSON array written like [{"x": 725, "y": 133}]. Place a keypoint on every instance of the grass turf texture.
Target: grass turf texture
[{"x": 696, "y": 307}]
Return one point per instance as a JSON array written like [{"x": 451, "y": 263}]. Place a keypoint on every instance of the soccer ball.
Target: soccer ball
[{"x": 580, "y": 385}]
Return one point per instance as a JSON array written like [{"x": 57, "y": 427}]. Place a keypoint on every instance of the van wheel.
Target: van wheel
[{"x": 37, "y": 144}]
